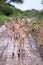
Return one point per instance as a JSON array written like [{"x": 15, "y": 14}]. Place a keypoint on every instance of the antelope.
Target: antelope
[
  {"x": 39, "y": 31},
  {"x": 40, "y": 37},
  {"x": 8, "y": 24}
]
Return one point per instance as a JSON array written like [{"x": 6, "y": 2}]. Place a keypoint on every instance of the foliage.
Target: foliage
[
  {"x": 40, "y": 17},
  {"x": 33, "y": 29},
  {"x": 3, "y": 18},
  {"x": 6, "y": 9},
  {"x": 42, "y": 2},
  {"x": 17, "y": 1},
  {"x": 10, "y": 11}
]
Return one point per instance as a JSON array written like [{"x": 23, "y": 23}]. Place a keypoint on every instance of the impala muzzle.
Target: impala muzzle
[{"x": 16, "y": 35}]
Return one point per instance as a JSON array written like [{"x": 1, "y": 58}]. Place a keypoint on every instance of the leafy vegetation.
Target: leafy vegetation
[
  {"x": 7, "y": 10},
  {"x": 17, "y": 1},
  {"x": 33, "y": 29},
  {"x": 3, "y": 18},
  {"x": 40, "y": 17}
]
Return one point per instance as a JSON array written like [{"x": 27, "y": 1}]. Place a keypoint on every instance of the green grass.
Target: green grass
[
  {"x": 32, "y": 27},
  {"x": 39, "y": 19},
  {"x": 3, "y": 18}
]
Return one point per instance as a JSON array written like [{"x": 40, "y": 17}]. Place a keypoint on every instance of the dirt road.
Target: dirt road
[{"x": 28, "y": 56}]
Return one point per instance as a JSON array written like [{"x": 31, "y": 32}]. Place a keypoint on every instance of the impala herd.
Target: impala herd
[{"x": 20, "y": 28}]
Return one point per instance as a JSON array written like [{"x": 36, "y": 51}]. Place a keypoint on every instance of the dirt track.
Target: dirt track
[{"x": 28, "y": 56}]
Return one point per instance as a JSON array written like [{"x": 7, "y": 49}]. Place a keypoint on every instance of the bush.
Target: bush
[
  {"x": 33, "y": 29},
  {"x": 6, "y": 9},
  {"x": 3, "y": 18}
]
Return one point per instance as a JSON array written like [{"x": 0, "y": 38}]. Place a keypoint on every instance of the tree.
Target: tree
[
  {"x": 17, "y": 1},
  {"x": 42, "y": 2},
  {"x": 6, "y": 8}
]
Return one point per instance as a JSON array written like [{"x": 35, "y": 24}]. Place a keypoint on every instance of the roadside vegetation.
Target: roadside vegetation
[
  {"x": 40, "y": 17},
  {"x": 6, "y": 11},
  {"x": 3, "y": 18}
]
